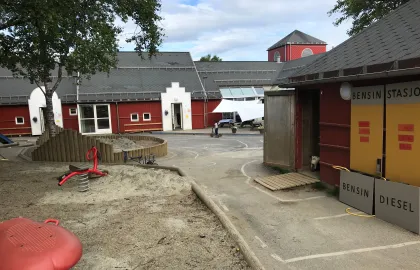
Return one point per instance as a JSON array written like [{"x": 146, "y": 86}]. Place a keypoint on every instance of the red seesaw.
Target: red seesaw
[{"x": 92, "y": 154}]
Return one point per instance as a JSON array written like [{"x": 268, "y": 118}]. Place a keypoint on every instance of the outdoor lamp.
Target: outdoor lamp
[{"x": 345, "y": 91}]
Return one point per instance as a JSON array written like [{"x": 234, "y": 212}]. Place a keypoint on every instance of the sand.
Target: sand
[
  {"x": 125, "y": 144},
  {"x": 134, "y": 218}
]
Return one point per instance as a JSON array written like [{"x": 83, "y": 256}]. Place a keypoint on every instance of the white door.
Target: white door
[
  {"x": 94, "y": 119},
  {"x": 41, "y": 119}
]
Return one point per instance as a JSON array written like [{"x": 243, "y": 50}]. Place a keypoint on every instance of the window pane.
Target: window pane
[
  {"x": 248, "y": 92},
  {"x": 88, "y": 126},
  {"x": 103, "y": 123},
  {"x": 146, "y": 116},
  {"x": 86, "y": 111},
  {"x": 102, "y": 111},
  {"x": 134, "y": 116},
  {"x": 225, "y": 92},
  {"x": 260, "y": 91},
  {"x": 236, "y": 92}
]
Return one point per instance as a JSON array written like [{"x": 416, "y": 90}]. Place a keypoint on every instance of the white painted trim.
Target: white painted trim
[
  {"x": 16, "y": 118},
  {"x": 134, "y": 120},
  {"x": 73, "y": 114},
  {"x": 150, "y": 116},
  {"x": 95, "y": 118}
]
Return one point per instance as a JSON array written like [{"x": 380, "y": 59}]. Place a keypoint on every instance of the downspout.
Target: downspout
[
  {"x": 205, "y": 96},
  {"x": 285, "y": 52},
  {"x": 118, "y": 118},
  {"x": 77, "y": 87}
]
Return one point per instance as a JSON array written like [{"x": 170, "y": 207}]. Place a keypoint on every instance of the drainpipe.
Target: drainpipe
[
  {"x": 205, "y": 101},
  {"x": 204, "y": 92},
  {"x": 118, "y": 118},
  {"x": 77, "y": 87},
  {"x": 285, "y": 52}
]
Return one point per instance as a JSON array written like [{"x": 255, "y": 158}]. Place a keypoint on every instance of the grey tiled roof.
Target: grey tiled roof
[
  {"x": 237, "y": 73},
  {"x": 18, "y": 90},
  {"x": 297, "y": 37},
  {"x": 131, "y": 83},
  {"x": 162, "y": 59},
  {"x": 395, "y": 37},
  {"x": 291, "y": 67}
]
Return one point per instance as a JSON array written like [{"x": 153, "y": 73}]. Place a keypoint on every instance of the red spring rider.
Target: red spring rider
[{"x": 92, "y": 153}]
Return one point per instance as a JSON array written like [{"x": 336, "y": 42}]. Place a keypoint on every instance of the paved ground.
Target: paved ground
[
  {"x": 301, "y": 229},
  {"x": 223, "y": 130}
]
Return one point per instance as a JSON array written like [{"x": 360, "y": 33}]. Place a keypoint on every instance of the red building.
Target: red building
[
  {"x": 294, "y": 46},
  {"x": 323, "y": 120}
]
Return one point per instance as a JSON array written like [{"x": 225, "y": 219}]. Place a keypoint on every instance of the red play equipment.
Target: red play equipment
[
  {"x": 30, "y": 245},
  {"x": 92, "y": 153}
]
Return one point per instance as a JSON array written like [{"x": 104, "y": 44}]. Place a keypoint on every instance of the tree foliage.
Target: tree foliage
[
  {"x": 363, "y": 12},
  {"x": 209, "y": 58},
  {"x": 42, "y": 37}
]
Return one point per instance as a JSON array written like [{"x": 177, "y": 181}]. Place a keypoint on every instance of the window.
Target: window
[
  {"x": 134, "y": 117},
  {"x": 73, "y": 111},
  {"x": 147, "y": 117},
  {"x": 307, "y": 52},
  {"x": 276, "y": 56},
  {"x": 94, "y": 118},
  {"x": 19, "y": 120}
]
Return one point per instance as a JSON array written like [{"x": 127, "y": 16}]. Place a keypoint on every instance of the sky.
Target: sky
[{"x": 241, "y": 30}]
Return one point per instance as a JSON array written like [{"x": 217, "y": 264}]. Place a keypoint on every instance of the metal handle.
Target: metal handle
[{"x": 55, "y": 221}]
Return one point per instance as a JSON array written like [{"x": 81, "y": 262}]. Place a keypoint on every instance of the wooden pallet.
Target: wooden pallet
[{"x": 285, "y": 181}]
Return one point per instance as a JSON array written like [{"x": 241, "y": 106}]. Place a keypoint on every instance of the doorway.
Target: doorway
[
  {"x": 310, "y": 129},
  {"x": 176, "y": 116},
  {"x": 41, "y": 118}
]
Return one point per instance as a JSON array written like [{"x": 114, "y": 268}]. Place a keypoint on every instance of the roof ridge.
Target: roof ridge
[{"x": 381, "y": 21}]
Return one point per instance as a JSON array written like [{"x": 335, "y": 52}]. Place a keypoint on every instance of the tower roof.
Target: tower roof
[{"x": 297, "y": 37}]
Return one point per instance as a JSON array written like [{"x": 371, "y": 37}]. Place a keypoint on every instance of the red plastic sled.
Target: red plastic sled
[{"x": 30, "y": 245}]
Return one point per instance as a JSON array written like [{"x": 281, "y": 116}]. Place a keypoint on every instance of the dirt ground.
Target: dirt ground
[
  {"x": 134, "y": 218},
  {"x": 125, "y": 144}
]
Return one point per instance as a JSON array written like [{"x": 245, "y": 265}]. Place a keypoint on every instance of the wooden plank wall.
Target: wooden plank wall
[{"x": 71, "y": 146}]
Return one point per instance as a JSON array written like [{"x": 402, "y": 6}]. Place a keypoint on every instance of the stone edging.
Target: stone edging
[
  {"x": 246, "y": 251},
  {"x": 9, "y": 145}
]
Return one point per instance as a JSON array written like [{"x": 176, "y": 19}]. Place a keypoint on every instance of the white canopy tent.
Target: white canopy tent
[{"x": 247, "y": 110}]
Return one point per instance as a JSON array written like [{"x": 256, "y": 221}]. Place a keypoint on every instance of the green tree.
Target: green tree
[
  {"x": 209, "y": 58},
  {"x": 363, "y": 12},
  {"x": 42, "y": 37}
]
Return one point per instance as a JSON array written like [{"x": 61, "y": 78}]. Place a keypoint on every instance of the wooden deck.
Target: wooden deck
[{"x": 285, "y": 181}]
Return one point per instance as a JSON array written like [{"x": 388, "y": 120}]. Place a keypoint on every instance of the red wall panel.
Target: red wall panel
[
  {"x": 70, "y": 121},
  {"x": 213, "y": 117},
  {"x": 197, "y": 108},
  {"x": 8, "y": 124},
  {"x": 126, "y": 109},
  {"x": 297, "y": 50},
  {"x": 293, "y": 52},
  {"x": 334, "y": 133}
]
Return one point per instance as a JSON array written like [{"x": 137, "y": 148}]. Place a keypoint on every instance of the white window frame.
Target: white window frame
[
  {"x": 98, "y": 131},
  {"x": 134, "y": 120},
  {"x": 150, "y": 116},
  {"x": 23, "y": 120},
  {"x": 72, "y": 114},
  {"x": 307, "y": 49}
]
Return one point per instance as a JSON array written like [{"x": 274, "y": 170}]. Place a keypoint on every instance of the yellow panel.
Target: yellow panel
[
  {"x": 366, "y": 140},
  {"x": 402, "y": 143},
  {"x": 366, "y": 136},
  {"x": 403, "y": 133}
]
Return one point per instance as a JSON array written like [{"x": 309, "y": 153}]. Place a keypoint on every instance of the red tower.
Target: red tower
[{"x": 295, "y": 45}]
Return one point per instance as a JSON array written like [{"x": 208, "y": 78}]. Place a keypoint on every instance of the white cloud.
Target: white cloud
[{"x": 242, "y": 29}]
